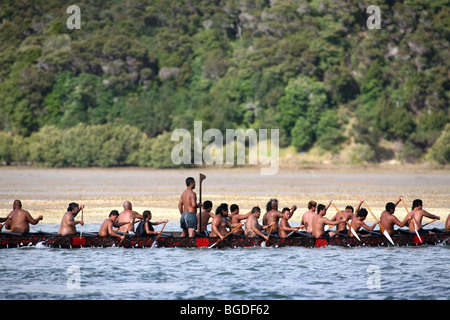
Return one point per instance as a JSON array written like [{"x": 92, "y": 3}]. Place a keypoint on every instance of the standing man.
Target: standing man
[
  {"x": 188, "y": 208},
  {"x": 18, "y": 220},
  {"x": 128, "y": 215},
  {"x": 68, "y": 222}
]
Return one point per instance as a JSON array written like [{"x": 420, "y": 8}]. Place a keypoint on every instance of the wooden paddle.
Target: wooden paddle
[
  {"x": 383, "y": 230},
  {"x": 128, "y": 229},
  {"x": 81, "y": 232},
  {"x": 159, "y": 235},
  {"x": 214, "y": 244},
  {"x": 349, "y": 227},
  {"x": 270, "y": 231},
  {"x": 201, "y": 178},
  {"x": 413, "y": 221}
]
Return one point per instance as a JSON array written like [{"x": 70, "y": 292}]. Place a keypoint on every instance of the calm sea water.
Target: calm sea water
[{"x": 236, "y": 274}]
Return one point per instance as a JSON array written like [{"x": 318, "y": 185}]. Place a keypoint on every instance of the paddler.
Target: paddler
[
  {"x": 128, "y": 215},
  {"x": 188, "y": 208},
  {"x": 348, "y": 214},
  {"x": 358, "y": 222},
  {"x": 106, "y": 228},
  {"x": 252, "y": 226},
  {"x": 447, "y": 224},
  {"x": 236, "y": 218},
  {"x": 220, "y": 222},
  {"x": 272, "y": 216},
  {"x": 145, "y": 227},
  {"x": 309, "y": 215},
  {"x": 18, "y": 220},
  {"x": 319, "y": 222},
  {"x": 285, "y": 228},
  {"x": 417, "y": 213},
  {"x": 388, "y": 220},
  {"x": 68, "y": 222},
  {"x": 206, "y": 214}
]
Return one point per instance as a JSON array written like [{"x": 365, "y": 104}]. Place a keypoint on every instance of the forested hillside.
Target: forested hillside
[{"x": 112, "y": 92}]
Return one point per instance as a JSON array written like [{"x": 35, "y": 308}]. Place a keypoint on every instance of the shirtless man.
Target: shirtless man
[
  {"x": 272, "y": 216},
  {"x": 252, "y": 227},
  {"x": 348, "y": 214},
  {"x": 309, "y": 215},
  {"x": 18, "y": 220},
  {"x": 236, "y": 218},
  {"x": 68, "y": 222},
  {"x": 388, "y": 220},
  {"x": 188, "y": 208},
  {"x": 358, "y": 222},
  {"x": 206, "y": 214},
  {"x": 220, "y": 223},
  {"x": 128, "y": 215},
  {"x": 285, "y": 227},
  {"x": 417, "y": 213},
  {"x": 106, "y": 228},
  {"x": 319, "y": 222},
  {"x": 447, "y": 224}
]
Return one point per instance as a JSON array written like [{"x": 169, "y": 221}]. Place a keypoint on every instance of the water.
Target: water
[{"x": 327, "y": 273}]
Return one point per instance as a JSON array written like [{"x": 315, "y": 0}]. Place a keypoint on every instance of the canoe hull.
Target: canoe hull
[{"x": 75, "y": 241}]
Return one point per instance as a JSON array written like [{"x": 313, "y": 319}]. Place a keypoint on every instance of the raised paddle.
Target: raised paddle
[
  {"x": 201, "y": 178},
  {"x": 214, "y": 244},
  {"x": 159, "y": 235},
  {"x": 413, "y": 220},
  {"x": 128, "y": 229},
  {"x": 81, "y": 232},
  {"x": 349, "y": 227},
  {"x": 383, "y": 230}
]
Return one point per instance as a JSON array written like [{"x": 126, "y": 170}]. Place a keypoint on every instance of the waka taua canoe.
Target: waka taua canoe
[{"x": 173, "y": 239}]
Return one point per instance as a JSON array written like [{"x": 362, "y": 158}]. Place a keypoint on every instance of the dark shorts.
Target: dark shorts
[{"x": 188, "y": 220}]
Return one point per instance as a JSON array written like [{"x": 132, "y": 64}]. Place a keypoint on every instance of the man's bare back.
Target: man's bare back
[
  {"x": 128, "y": 215},
  {"x": 18, "y": 221}
]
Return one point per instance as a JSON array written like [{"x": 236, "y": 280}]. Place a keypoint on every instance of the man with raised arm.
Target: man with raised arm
[
  {"x": 188, "y": 208},
  {"x": 319, "y": 222},
  {"x": 68, "y": 222},
  {"x": 417, "y": 213},
  {"x": 18, "y": 220},
  {"x": 388, "y": 220}
]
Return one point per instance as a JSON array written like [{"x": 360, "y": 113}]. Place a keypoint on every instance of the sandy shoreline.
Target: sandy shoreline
[{"x": 48, "y": 191}]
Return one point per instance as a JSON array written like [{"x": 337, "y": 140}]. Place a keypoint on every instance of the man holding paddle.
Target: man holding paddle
[
  {"x": 188, "y": 208},
  {"x": 417, "y": 215},
  {"x": 18, "y": 220},
  {"x": 388, "y": 220},
  {"x": 68, "y": 222}
]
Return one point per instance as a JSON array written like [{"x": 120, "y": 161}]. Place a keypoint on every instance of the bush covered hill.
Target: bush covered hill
[{"x": 112, "y": 92}]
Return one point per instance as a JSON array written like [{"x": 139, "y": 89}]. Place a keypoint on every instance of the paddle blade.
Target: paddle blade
[
  {"x": 202, "y": 177},
  {"x": 386, "y": 234},
  {"x": 213, "y": 245},
  {"x": 418, "y": 235},
  {"x": 354, "y": 233}
]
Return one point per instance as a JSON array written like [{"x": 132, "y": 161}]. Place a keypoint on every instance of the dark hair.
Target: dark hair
[
  {"x": 269, "y": 204},
  {"x": 416, "y": 203},
  {"x": 114, "y": 213},
  {"x": 72, "y": 206},
  {"x": 362, "y": 213},
  {"x": 256, "y": 209},
  {"x": 390, "y": 206},
  {"x": 146, "y": 213},
  {"x": 207, "y": 204},
  {"x": 219, "y": 209},
  {"x": 350, "y": 207},
  {"x": 320, "y": 207},
  {"x": 189, "y": 181},
  {"x": 234, "y": 207},
  {"x": 285, "y": 209}
]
